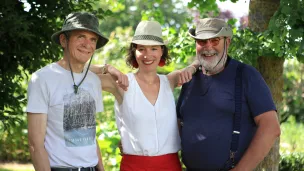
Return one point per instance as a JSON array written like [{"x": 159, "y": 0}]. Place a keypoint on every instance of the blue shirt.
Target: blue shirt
[{"x": 207, "y": 115}]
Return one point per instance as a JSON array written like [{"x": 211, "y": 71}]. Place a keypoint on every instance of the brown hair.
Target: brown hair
[{"x": 131, "y": 55}]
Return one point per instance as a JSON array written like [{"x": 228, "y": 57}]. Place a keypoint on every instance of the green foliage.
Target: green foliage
[
  {"x": 107, "y": 134},
  {"x": 292, "y": 145},
  {"x": 292, "y": 162},
  {"x": 182, "y": 47},
  {"x": 115, "y": 51},
  {"x": 292, "y": 138},
  {"x": 286, "y": 29},
  {"x": 204, "y": 7},
  {"x": 283, "y": 38},
  {"x": 293, "y": 91},
  {"x": 14, "y": 144},
  {"x": 245, "y": 46},
  {"x": 128, "y": 13}
]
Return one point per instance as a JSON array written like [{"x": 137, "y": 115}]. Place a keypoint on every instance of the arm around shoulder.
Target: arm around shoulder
[
  {"x": 120, "y": 78},
  {"x": 98, "y": 69},
  {"x": 179, "y": 77},
  {"x": 108, "y": 84}
]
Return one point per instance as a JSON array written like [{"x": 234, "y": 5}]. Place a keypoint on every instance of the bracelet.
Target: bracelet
[{"x": 104, "y": 69}]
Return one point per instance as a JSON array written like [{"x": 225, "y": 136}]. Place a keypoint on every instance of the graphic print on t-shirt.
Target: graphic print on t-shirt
[{"x": 79, "y": 119}]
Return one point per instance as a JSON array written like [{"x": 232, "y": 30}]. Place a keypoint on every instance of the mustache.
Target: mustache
[{"x": 209, "y": 52}]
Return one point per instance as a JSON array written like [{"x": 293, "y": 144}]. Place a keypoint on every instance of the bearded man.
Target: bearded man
[{"x": 227, "y": 115}]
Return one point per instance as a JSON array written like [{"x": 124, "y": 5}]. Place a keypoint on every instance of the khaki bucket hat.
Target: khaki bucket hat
[
  {"x": 209, "y": 28},
  {"x": 148, "y": 33},
  {"x": 81, "y": 21}
]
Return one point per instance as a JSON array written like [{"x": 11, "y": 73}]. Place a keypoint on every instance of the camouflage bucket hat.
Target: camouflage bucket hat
[
  {"x": 81, "y": 21},
  {"x": 209, "y": 28}
]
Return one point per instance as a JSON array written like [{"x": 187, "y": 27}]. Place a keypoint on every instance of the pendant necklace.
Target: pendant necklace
[
  {"x": 77, "y": 86},
  {"x": 147, "y": 82}
]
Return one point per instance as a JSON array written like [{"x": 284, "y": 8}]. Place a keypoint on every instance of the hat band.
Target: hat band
[
  {"x": 148, "y": 37},
  {"x": 203, "y": 31}
]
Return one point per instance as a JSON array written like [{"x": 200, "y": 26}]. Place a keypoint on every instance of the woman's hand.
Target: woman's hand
[
  {"x": 185, "y": 75},
  {"x": 121, "y": 78}
]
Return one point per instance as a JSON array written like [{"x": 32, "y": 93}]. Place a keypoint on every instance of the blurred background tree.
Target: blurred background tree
[{"x": 26, "y": 27}]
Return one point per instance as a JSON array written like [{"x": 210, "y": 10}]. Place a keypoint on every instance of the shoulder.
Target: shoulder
[
  {"x": 43, "y": 72},
  {"x": 251, "y": 73},
  {"x": 42, "y": 79},
  {"x": 163, "y": 77},
  {"x": 132, "y": 82},
  {"x": 48, "y": 68},
  {"x": 131, "y": 77},
  {"x": 186, "y": 85},
  {"x": 247, "y": 70},
  {"x": 94, "y": 76}
]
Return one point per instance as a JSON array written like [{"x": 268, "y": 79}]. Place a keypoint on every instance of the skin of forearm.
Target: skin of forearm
[
  {"x": 40, "y": 158},
  {"x": 36, "y": 135},
  {"x": 258, "y": 149},
  {"x": 195, "y": 63},
  {"x": 97, "y": 69},
  {"x": 103, "y": 69}
]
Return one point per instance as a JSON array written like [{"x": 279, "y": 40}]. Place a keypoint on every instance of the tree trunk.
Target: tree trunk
[
  {"x": 271, "y": 68},
  {"x": 272, "y": 71}
]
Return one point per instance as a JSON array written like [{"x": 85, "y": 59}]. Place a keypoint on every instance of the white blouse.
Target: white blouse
[{"x": 146, "y": 129}]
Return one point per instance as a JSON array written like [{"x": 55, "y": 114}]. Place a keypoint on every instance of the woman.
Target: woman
[{"x": 145, "y": 113}]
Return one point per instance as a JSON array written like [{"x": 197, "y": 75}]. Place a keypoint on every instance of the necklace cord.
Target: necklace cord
[{"x": 74, "y": 85}]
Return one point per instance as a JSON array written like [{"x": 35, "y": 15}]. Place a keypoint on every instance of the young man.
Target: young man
[
  {"x": 63, "y": 98},
  {"x": 228, "y": 117}
]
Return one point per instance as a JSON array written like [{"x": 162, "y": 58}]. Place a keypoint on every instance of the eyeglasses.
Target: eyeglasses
[{"x": 213, "y": 41}]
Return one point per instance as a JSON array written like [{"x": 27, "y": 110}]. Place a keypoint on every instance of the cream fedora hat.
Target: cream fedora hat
[
  {"x": 148, "y": 33},
  {"x": 209, "y": 28}
]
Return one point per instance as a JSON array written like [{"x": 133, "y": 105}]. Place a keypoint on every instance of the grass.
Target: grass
[
  {"x": 292, "y": 137},
  {"x": 16, "y": 167}
]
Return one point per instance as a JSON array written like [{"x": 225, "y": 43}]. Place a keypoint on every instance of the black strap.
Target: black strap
[
  {"x": 236, "y": 131},
  {"x": 238, "y": 108}
]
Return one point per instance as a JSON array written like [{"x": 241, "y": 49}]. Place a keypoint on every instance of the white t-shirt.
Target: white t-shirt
[
  {"x": 146, "y": 129},
  {"x": 70, "y": 138}
]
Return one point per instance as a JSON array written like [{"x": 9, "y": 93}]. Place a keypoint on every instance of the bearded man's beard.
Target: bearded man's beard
[{"x": 209, "y": 63}]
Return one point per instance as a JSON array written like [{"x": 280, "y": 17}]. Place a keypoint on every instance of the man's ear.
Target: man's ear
[
  {"x": 62, "y": 40},
  {"x": 228, "y": 39}
]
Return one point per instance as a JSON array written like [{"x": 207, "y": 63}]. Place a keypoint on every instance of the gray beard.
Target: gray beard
[{"x": 213, "y": 67}]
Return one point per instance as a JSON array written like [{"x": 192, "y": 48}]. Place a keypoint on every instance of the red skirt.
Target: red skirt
[{"x": 168, "y": 162}]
